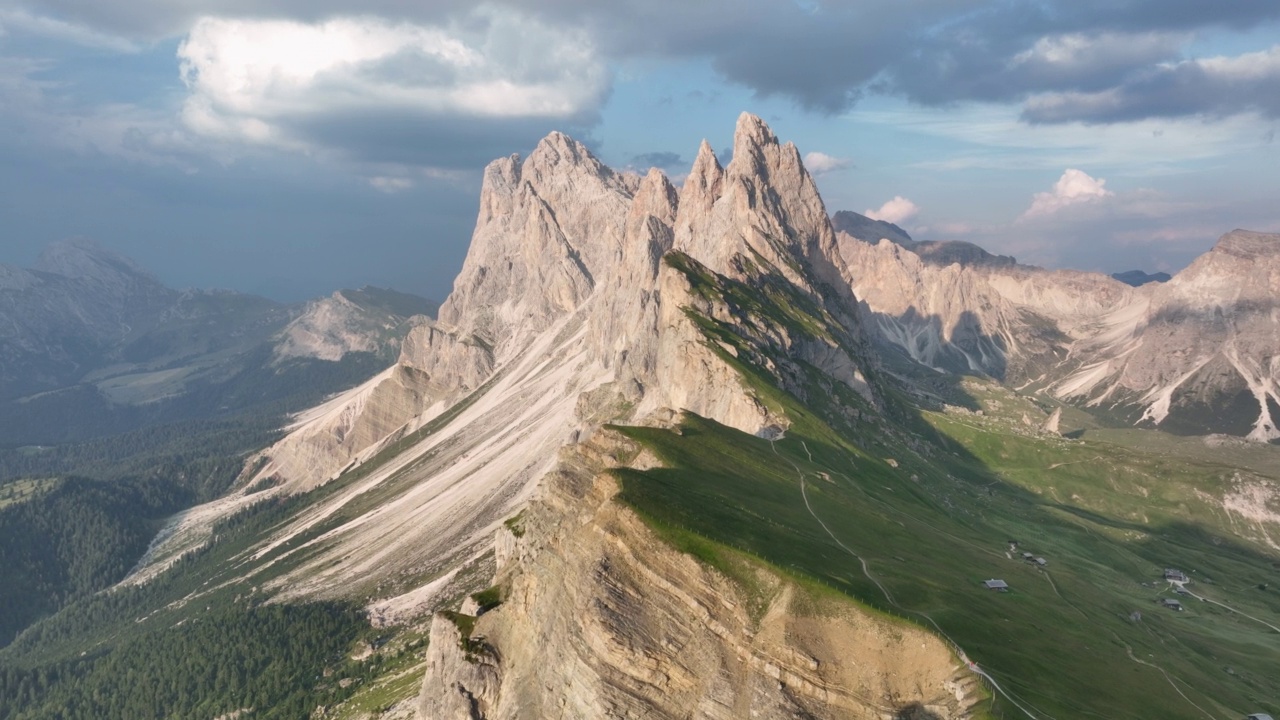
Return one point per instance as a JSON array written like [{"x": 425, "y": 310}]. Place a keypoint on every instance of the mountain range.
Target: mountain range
[
  {"x": 1197, "y": 354},
  {"x": 711, "y": 452},
  {"x": 91, "y": 344}
]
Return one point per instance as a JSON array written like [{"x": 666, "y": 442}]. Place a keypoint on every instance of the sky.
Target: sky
[{"x": 292, "y": 147}]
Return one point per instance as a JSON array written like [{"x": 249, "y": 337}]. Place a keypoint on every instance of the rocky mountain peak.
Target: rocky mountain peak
[
  {"x": 751, "y": 136},
  {"x": 704, "y": 184},
  {"x": 1248, "y": 244},
  {"x": 655, "y": 197},
  {"x": 764, "y": 205},
  {"x": 558, "y": 153},
  {"x": 757, "y": 154}
]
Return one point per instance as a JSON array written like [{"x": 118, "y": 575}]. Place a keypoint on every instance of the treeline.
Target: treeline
[
  {"x": 204, "y": 456},
  {"x": 272, "y": 661},
  {"x": 74, "y": 536},
  {"x": 105, "y": 617}
]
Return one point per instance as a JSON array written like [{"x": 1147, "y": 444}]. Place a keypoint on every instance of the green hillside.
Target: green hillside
[{"x": 912, "y": 517}]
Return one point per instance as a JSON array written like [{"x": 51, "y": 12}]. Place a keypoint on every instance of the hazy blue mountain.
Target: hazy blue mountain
[{"x": 1138, "y": 278}]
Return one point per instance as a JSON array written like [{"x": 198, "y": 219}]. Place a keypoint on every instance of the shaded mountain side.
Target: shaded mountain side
[
  {"x": 149, "y": 400},
  {"x": 61, "y": 540},
  {"x": 864, "y": 228}
]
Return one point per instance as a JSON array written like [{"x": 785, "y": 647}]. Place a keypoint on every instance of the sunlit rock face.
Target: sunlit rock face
[{"x": 1195, "y": 354}]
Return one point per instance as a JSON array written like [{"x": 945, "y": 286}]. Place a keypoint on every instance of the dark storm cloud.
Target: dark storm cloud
[
  {"x": 281, "y": 229},
  {"x": 1138, "y": 15},
  {"x": 1057, "y": 57},
  {"x": 1206, "y": 88},
  {"x": 450, "y": 142},
  {"x": 826, "y": 55}
]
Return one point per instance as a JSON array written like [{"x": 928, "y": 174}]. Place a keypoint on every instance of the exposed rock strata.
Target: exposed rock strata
[{"x": 603, "y": 619}]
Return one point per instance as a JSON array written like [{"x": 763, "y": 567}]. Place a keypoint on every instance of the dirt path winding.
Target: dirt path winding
[{"x": 973, "y": 666}]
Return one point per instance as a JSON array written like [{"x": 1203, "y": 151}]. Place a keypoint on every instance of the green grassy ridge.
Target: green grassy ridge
[
  {"x": 1056, "y": 638},
  {"x": 935, "y": 525},
  {"x": 397, "y": 668}
]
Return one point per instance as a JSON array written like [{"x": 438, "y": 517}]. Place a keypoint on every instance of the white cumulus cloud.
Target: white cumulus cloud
[
  {"x": 894, "y": 211},
  {"x": 1073, "y": 188},
  {"x": 303, "y": 85},
  {"x": 820, "y": 163}
]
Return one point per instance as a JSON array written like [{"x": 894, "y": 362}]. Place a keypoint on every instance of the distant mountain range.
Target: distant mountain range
[
  {"x": 88, "y": 335},
  {"x": 1198, "y": 352}
]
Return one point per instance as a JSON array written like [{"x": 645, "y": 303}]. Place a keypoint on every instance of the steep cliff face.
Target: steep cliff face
[
  {"x": 601, "y": 618},
  {"x": 561, "y": 236},
  {"x": 1012, "y": 322},
  {"x": 547, "y": 227},
  {"x": 565, "y": 315}
]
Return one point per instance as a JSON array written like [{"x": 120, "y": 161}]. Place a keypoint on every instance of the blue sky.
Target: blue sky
[{"x": 290, "y": 148}]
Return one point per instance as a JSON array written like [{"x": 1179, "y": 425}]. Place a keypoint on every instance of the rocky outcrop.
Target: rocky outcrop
[
  {"x": 330, "y": 437},
  {"x": 764, "y": 208},
  {"x": 601, "y": 618},
  {"x": 549, "y": 229}
]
